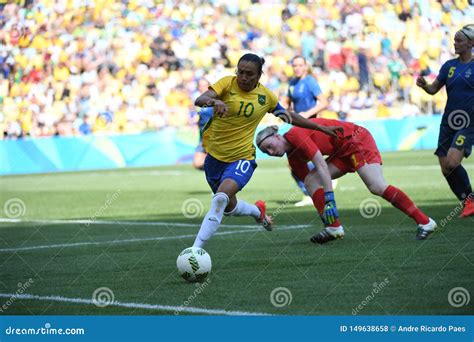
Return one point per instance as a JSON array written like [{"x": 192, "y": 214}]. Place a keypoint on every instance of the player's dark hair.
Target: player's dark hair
[
  {"x": 468, "y": 31},
  {"x": 251, "y": 57}
]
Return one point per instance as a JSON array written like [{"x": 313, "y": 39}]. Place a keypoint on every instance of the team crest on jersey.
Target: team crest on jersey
[
  {"x": 261, "y": 99},
  {"x": 468, "y": 73}
]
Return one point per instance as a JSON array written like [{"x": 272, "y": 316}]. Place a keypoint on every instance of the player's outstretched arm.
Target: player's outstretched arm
[
  {"x": 432, "y": 88},
  {"x": 297, "y": 120}
]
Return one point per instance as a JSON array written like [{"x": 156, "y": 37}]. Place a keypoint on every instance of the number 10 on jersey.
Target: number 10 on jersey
[{"x": 247, "y": 109}]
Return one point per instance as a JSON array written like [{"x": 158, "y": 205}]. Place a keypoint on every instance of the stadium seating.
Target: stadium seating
[{"x": 106, "y": 67}]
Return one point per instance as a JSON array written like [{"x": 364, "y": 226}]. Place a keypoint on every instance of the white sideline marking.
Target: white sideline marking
[
  {"x": 115, "y": 242},
  {"x": 139, "y": 172},
  {"x": 128, "y": 223},
  {"x": 135, "y": 305}
]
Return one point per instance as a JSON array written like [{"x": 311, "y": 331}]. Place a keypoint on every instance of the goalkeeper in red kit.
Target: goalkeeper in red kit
[{"x": 357, "y": 152}]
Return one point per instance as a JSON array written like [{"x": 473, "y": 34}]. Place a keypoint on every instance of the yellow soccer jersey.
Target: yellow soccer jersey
[{"x": 230, "y": 138}]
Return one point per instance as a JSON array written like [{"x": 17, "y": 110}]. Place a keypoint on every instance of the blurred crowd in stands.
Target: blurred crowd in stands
[{"x": 72, "y": 67}]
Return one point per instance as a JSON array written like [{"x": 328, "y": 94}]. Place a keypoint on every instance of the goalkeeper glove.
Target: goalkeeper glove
[{"x": 330, "y": 214}]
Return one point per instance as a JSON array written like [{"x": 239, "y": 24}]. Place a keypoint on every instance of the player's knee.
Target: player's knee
[
  {"x": 449, "y": 166},
  {"x": 377, "y": 189},
  {"x": 220, "y": 200},
  {"x": 198, "y": 162},
  {"x": 309, "y": 186},
  {"x": 199, "y": 166},
  {"x": 311, "y": 182},
  {"x": 231, "y": 209}
]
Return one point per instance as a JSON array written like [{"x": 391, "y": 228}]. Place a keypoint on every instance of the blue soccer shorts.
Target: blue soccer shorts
[
  {"x": 451, "y": 138},
  {"x": 216, "y": 171}
]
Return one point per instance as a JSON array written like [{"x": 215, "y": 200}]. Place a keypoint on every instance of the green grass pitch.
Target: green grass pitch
[{"x": 379, "y": 268}]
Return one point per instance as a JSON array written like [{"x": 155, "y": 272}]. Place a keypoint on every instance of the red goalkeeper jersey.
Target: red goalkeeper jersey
[{"x": 307, "y": 142}]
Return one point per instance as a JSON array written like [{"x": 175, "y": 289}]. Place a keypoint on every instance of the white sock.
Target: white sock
[
  {"x": 244, "y": 209},
  {"x": 212, "y": 219}
]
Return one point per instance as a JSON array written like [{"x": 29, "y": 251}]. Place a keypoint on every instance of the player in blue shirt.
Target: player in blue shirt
[
  {"x": 456, "y": 135},
  {"x": 306, "y": 99},
  {"x": 205, "y": 114},
  {"x": 304, "y": 94}
]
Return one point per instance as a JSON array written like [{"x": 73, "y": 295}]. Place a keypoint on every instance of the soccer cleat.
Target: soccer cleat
[
  {"x": 424, "y": 230},
  {"x": 468, "y": 209},
  {"x": 328, "y": 234},
  {"x": 265, "y": 220},
  {"x": 306, "y": 201}
]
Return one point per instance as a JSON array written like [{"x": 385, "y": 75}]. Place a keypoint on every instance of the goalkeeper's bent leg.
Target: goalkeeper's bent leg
[
  {"x": 402, "y": 202},
  {"x": 372, "y": 176}
]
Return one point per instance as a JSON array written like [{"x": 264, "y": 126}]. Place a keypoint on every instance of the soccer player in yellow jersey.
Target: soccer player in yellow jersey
[{"x": 239, "y": 102}]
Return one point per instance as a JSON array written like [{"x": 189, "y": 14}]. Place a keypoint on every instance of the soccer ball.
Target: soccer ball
[{"x": 194, "y": 264}]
